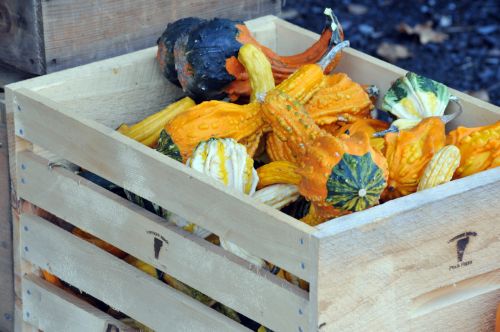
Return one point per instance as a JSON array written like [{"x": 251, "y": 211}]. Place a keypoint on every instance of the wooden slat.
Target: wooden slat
[
  {"x": 6, "y": 265},
  {"x": 474, "y": 314},
  {"x": 78, "y": 32},
  {"x": 21, "y": 44},
  {"x": 260, "y": 229},
  {"x": 52, "y": 309},
  {"x": 397, "y": 262},
  {"x": 253, "y": 292},
  {"x": 115, "y": 282}
]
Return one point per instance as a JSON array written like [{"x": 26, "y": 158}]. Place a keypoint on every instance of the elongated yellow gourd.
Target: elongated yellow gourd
[
  {"x": 256, "y": 63},
  {"x": 148, "y": 130},
  {"x": 277, "y": 172},
  {"x": 441, "y": 167}
]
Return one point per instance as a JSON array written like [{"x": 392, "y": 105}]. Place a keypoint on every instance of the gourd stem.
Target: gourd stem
[
  {"x": 334, "y": 26},
  {"x": 328, "y": 57},
  {"x": 450, "y": 117},
  {"x": 391, "y": 129}
]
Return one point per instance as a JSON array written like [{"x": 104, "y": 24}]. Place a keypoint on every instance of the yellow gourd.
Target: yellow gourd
[
  {"x": 148, "y": 130},
  {"x": 441, "y": 168}
]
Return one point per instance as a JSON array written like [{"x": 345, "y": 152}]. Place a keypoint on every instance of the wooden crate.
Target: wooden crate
[
  {"x": 7, "y": 75},
  {"x": 40, "y": 37},
  {"x": 393, "y": 267}
]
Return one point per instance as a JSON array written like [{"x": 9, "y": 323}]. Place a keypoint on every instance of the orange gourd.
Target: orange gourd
[
  {"x": 98, "y": 242},
  {"x": 330, "y": 167},
  {"x": 479, "y": 148},
  {"x": 408, "y": 153},
  {"x": 216, "y": 119},
  {"x": 339, "y": 98},
  {"x": 51, "y": 278}
]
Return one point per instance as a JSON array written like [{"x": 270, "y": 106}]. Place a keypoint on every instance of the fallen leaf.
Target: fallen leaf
[
  {"x": 481, "y": 94},
  {"x": 393, "y": 52},
  {"x": 357, "y": 9},
  {"x": 424, "y": 31}
]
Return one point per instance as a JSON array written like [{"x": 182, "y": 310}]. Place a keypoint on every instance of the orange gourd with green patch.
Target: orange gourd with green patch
[{"x": 333, "y": 170}]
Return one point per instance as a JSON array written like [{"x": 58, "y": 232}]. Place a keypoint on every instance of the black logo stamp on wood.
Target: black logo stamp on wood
[
  {"x": 461, "y": 240},
  {"x": 158, "y": 242}
]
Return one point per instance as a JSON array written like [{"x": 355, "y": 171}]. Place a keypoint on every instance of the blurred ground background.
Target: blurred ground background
[{"x": 454, "y": 42}]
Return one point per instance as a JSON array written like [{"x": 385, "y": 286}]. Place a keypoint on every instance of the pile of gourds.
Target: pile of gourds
[{"x": 322, "y": 146}]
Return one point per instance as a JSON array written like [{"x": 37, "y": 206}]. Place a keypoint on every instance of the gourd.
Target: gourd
[
  {"x": 99, "y": 243},
  {"x": 216, "y": 119},
  {"x": 51, "y": 278},
  {"x": 206, "y": 57},
  {"x": 339, "y": 98},
  {"x": 226, "y": 120},
  {"x": 369, "y": 126},
  {"x": 416, "y": 97},
  {"x": 277, "y": 195},
  {"x": 155, "y": 273},
  {"x": 412, "y": 98},
  {"x": 277, "y": 172},
  {"x": 326, "y": 162},
  {"x": 408, "y": 153},
  {"x": 278, "y": 150},
  {"x": 148, "y": 130},
  {"x": 255, "y": 62},
  {"x": 175, "y": 31},
  {"x": 479, "y": 148},
  {"x": 136, "y": 325},
  {"x": 228, "y": 163},
  {"x": 441, "y": 168}
]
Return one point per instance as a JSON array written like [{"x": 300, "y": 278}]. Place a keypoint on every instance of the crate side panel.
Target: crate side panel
[
  {"x": 115, "y": 282},
  {"x": 78, "y": 32},
  {"x": 380, "y": 263},
  {"x": 50, "y": 308},
  {"x": 260, "y": 229},
  {"x": 253, "y": 292}
]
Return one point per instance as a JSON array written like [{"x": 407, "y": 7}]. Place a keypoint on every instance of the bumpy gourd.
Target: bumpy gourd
[
  {"x": 339, "y": 98},
  {"x": 369, "y": 126},
  {"x": 277, "y": 172},
  {"x": 148, "y": 130},
  {"x": 345, "y": 173},
  {"x": 415, "y": 97},
  {"x": 408, "y": 153},
  {"x": 214, "y": 119},
  {"x": 479, "y": 148},
  {"x": 326, "y": 162},
  {"x": 278, "y": 150},
  {"x": 441, "y": 168}
]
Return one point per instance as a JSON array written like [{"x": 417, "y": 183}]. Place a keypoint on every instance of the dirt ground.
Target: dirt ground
[{"x": 454, "y": 42}]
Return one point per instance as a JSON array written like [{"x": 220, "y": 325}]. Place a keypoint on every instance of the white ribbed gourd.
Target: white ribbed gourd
[
  {"x": 441, "y": 167},
  {"x": 228, "y": 162}
]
